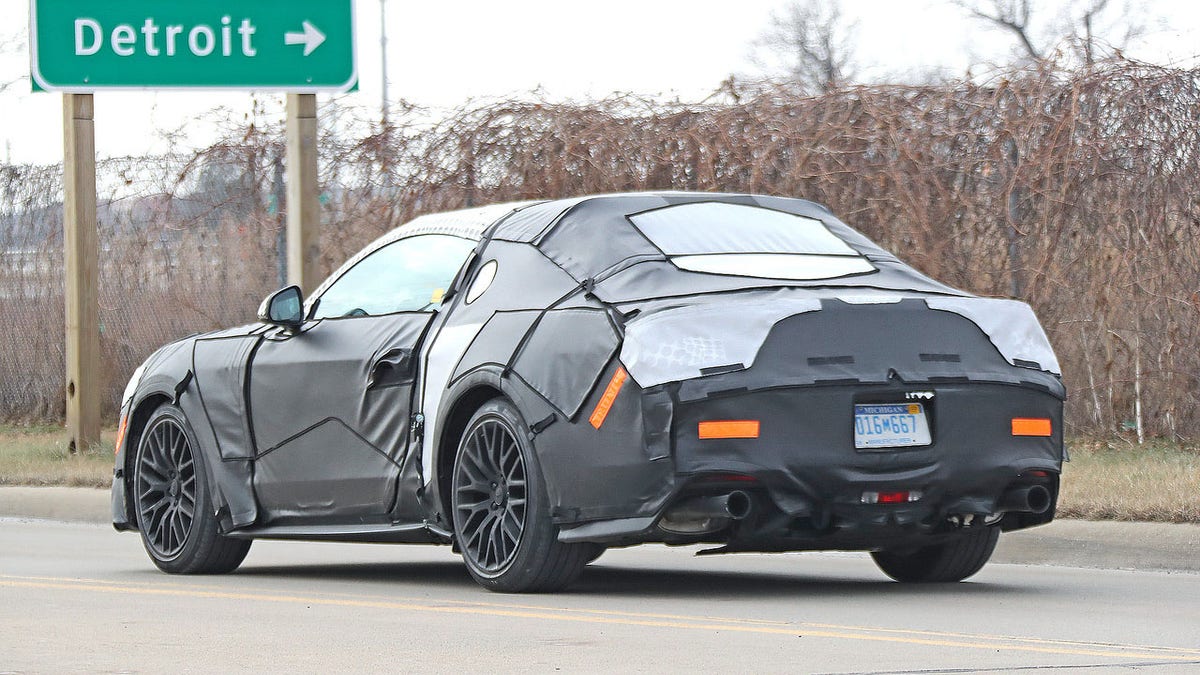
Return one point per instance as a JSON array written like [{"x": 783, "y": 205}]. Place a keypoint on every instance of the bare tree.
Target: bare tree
[
  {"x": 1100, "y": 26},
  {"x": 11, "y": 45},
  {"x": 1008, "y": 15},
  {"x": 812, "y": 43},
  {"x": 1089, "y": 29}
]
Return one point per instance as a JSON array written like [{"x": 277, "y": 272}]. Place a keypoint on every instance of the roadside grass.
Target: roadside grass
[
  {"x": 37, "y": 455},
  {"x": 1114, "y": 480},
  {"x": 1105, "y": 479}
]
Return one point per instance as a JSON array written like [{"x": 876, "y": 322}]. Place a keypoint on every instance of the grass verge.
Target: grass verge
[
  {"x": 1113, "y": 480},
  {"x": 1105, "y": 480},
  {"x": 38, "y": 455}
]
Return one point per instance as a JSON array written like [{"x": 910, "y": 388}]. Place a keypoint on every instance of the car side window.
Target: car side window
[{"x": 408, "y": 275}]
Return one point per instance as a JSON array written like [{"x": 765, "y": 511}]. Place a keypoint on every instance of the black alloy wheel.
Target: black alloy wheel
[
  {"x": 501, "y": 508},
  {"x": 174, "y": 515},
  {"x": 166, "y": 488},
  {"x": 490, "y": 495}
]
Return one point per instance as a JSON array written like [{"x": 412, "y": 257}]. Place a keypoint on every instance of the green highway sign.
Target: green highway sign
[{"x": 286, "y": 45}]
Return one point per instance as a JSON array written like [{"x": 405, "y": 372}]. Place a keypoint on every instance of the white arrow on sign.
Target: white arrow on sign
[{"x": 311, "y": 38}]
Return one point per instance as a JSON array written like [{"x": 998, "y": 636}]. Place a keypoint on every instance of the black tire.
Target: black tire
[
  {"x": 948, "y": 562},
  {"x": 173, "y": 501},
  {"x": 501, "y": 508},
  {"x": 596, "y": 551}
]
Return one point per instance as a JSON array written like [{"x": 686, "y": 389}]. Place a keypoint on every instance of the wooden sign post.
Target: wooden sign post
[
  {"x": 300, "y": 47},
  {"x": 303, "y": 197},
  {"x": 81, "y": 272}
]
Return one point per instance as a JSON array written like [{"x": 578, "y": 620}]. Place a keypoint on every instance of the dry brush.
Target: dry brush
[{"x": 1077, "y": 191}]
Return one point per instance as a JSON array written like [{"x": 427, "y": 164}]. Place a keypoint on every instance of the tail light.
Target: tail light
[{"x": 896, "y": 497}]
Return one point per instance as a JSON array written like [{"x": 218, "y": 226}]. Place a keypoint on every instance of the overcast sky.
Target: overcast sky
[{"x": 444, "y": 53}]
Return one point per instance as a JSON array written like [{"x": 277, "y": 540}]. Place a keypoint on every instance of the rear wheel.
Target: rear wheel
[
  {"x": 174, "y": 512},
  {"x": 950, "y": 561},
  {"x": 501, "y": 508},
  {"x": 594, "y": 552}
]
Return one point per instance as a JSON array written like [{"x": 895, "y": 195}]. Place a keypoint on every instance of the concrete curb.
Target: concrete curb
[
  {"x": 84, "y": 505},
  {"x": 1065, "y": 543},
  {"x": 1105, "y": 545}
]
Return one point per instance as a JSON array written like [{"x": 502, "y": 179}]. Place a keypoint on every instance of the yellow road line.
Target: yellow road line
[
  {"x": 930, "y": 639},
  {"x": 447, "y": 601}
]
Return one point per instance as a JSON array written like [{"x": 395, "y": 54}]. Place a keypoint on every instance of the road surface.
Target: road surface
[{"x": 81, "y": 597}]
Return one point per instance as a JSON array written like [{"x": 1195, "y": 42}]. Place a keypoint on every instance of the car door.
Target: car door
[{"x": 330, "y": 403}]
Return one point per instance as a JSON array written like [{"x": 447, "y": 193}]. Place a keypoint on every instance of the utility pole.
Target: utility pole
[
  {"x": 81, "y": 272},
  {"x": 280, "y": 197},
  {"x": 303, "y": 205},
  {"x": 383, "y": 59}
]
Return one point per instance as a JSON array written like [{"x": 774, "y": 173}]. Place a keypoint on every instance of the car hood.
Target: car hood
[{"x": 153, "y": 363}]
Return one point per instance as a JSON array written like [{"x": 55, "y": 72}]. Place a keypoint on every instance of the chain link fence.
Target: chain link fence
[{"x": 1077, "y": 191}]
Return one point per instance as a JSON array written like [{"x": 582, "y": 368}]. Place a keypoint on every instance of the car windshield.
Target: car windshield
[
  {"x": 740, "y": 240},
  {"x": 407, "y": 275}
]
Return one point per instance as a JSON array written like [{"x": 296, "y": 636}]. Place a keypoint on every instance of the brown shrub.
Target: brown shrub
[{"x": 1074, "y": 191}]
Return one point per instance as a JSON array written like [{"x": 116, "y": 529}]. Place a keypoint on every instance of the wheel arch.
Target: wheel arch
[
  {"x": 138, "y": 417},
  {"x": 453, "y": 427},
  {"x": 462, "y": 399}
]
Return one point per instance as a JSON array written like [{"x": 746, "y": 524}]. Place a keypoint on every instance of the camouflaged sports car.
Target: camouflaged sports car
[{"x": 532, "y": 383}]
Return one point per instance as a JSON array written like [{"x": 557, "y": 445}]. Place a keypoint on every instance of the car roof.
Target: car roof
[
  {"x": 597, "y": 242},
  {"x": 473, "y": 223},
  {"x": 593, "y": 239},
  {"x": 466, "y": 223}
]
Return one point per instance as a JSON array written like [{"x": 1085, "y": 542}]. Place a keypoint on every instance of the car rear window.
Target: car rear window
[{"x": 740, "y": 240}]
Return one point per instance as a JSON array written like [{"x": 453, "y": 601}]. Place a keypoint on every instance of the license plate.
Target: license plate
[{"x": 890, "y": 425}]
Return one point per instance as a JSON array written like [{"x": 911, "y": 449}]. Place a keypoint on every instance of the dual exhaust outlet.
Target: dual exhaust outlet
[{"x": 699, "y": 512}]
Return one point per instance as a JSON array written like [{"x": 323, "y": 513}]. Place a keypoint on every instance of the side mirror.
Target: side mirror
[{"x": 284, "y": 307}]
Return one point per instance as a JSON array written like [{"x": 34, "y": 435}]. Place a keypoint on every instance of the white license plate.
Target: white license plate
[{"x": 890, "y": 425}]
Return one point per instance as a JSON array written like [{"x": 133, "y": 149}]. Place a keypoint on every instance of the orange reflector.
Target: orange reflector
[
  {"x": 729, "y": 429},
  {"x": 610, "y": 395},
  {"x": 121, "y": 428},
  {"x": 1030, "y": 426}
]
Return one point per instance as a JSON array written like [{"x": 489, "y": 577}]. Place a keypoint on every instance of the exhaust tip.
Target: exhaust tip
[
  {"x": 1039, "y": 499},
  {"x": 1030, "y": 499},
  {"x": 739, "y": 505},
  {"x": 701, "y": 514}
]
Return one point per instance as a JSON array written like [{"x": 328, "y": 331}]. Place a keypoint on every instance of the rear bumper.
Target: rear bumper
[
  {"x": 808, "y": 480},
  {"x": 805, "y": 455}
]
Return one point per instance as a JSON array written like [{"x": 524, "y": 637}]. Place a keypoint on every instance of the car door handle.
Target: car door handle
[{"x": 395, "y": 367}]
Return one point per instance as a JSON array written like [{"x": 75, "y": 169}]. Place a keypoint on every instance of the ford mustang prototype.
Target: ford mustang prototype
[{"x": 534, "y": 382}]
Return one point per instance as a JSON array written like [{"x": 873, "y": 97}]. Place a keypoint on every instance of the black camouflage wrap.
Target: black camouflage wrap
[{"x": 347, "y": 428}]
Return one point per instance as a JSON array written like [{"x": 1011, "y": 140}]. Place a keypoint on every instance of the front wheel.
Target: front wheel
[
  {"x": 501, "y": 508},
  {"x": 948, "y": 562},
  {"x": 174, "y": 514}
]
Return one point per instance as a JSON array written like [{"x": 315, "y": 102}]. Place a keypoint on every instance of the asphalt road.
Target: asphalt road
[{"x": 80, "y": 597}]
